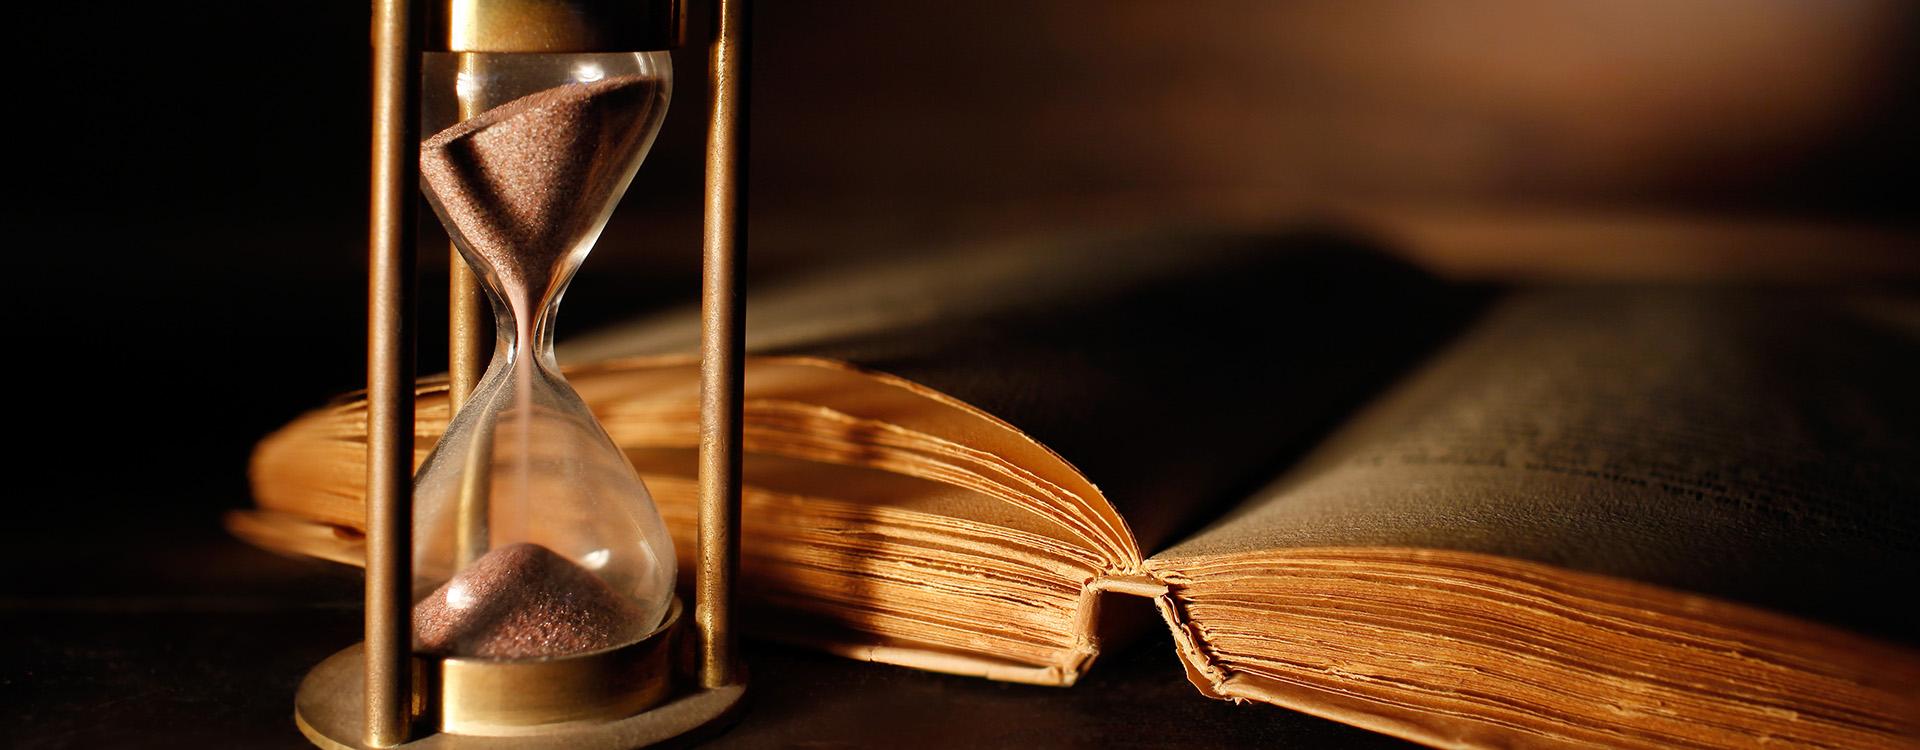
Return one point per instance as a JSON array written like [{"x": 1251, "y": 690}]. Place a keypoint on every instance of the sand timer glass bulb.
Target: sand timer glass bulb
[{"x": 534, "y": 537}]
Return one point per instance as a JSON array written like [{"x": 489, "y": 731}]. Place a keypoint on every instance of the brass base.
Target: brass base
[
  {"x": 526, "y": 704},
  {"x": 330, "y": 710}
]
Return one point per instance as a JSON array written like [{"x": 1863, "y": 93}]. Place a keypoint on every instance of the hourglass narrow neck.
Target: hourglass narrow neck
[{"x": 526, "y": 317}]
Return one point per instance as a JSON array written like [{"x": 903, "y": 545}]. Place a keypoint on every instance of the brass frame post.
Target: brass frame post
[
  {"x": 390, "y": 364},
  {"x": 722, "y": 334},
  {"x": 469, "y": 324},
  {"x": 469, "y": 330},
  {"x": 469, "y": 333}
]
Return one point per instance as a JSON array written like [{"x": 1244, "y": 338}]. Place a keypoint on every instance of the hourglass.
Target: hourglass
[
  {"x": 534, "y": 537},
  {"x": 524, "y": 473},
  {"x": 541, "y": 576}
]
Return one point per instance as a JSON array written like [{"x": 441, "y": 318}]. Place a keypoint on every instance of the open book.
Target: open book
[{"x": 1580, "y": 516}]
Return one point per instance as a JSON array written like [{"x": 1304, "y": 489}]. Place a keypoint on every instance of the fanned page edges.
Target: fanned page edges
[
  {"x": 1456, "y": 649},
  {"x": 882, "y": 520}
]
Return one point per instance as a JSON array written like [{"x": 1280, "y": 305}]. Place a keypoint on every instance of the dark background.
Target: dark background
[{"x": 185, "y": 207}]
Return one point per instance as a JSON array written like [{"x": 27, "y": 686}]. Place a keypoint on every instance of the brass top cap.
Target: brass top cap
[{"x": 562, "y": 25}]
